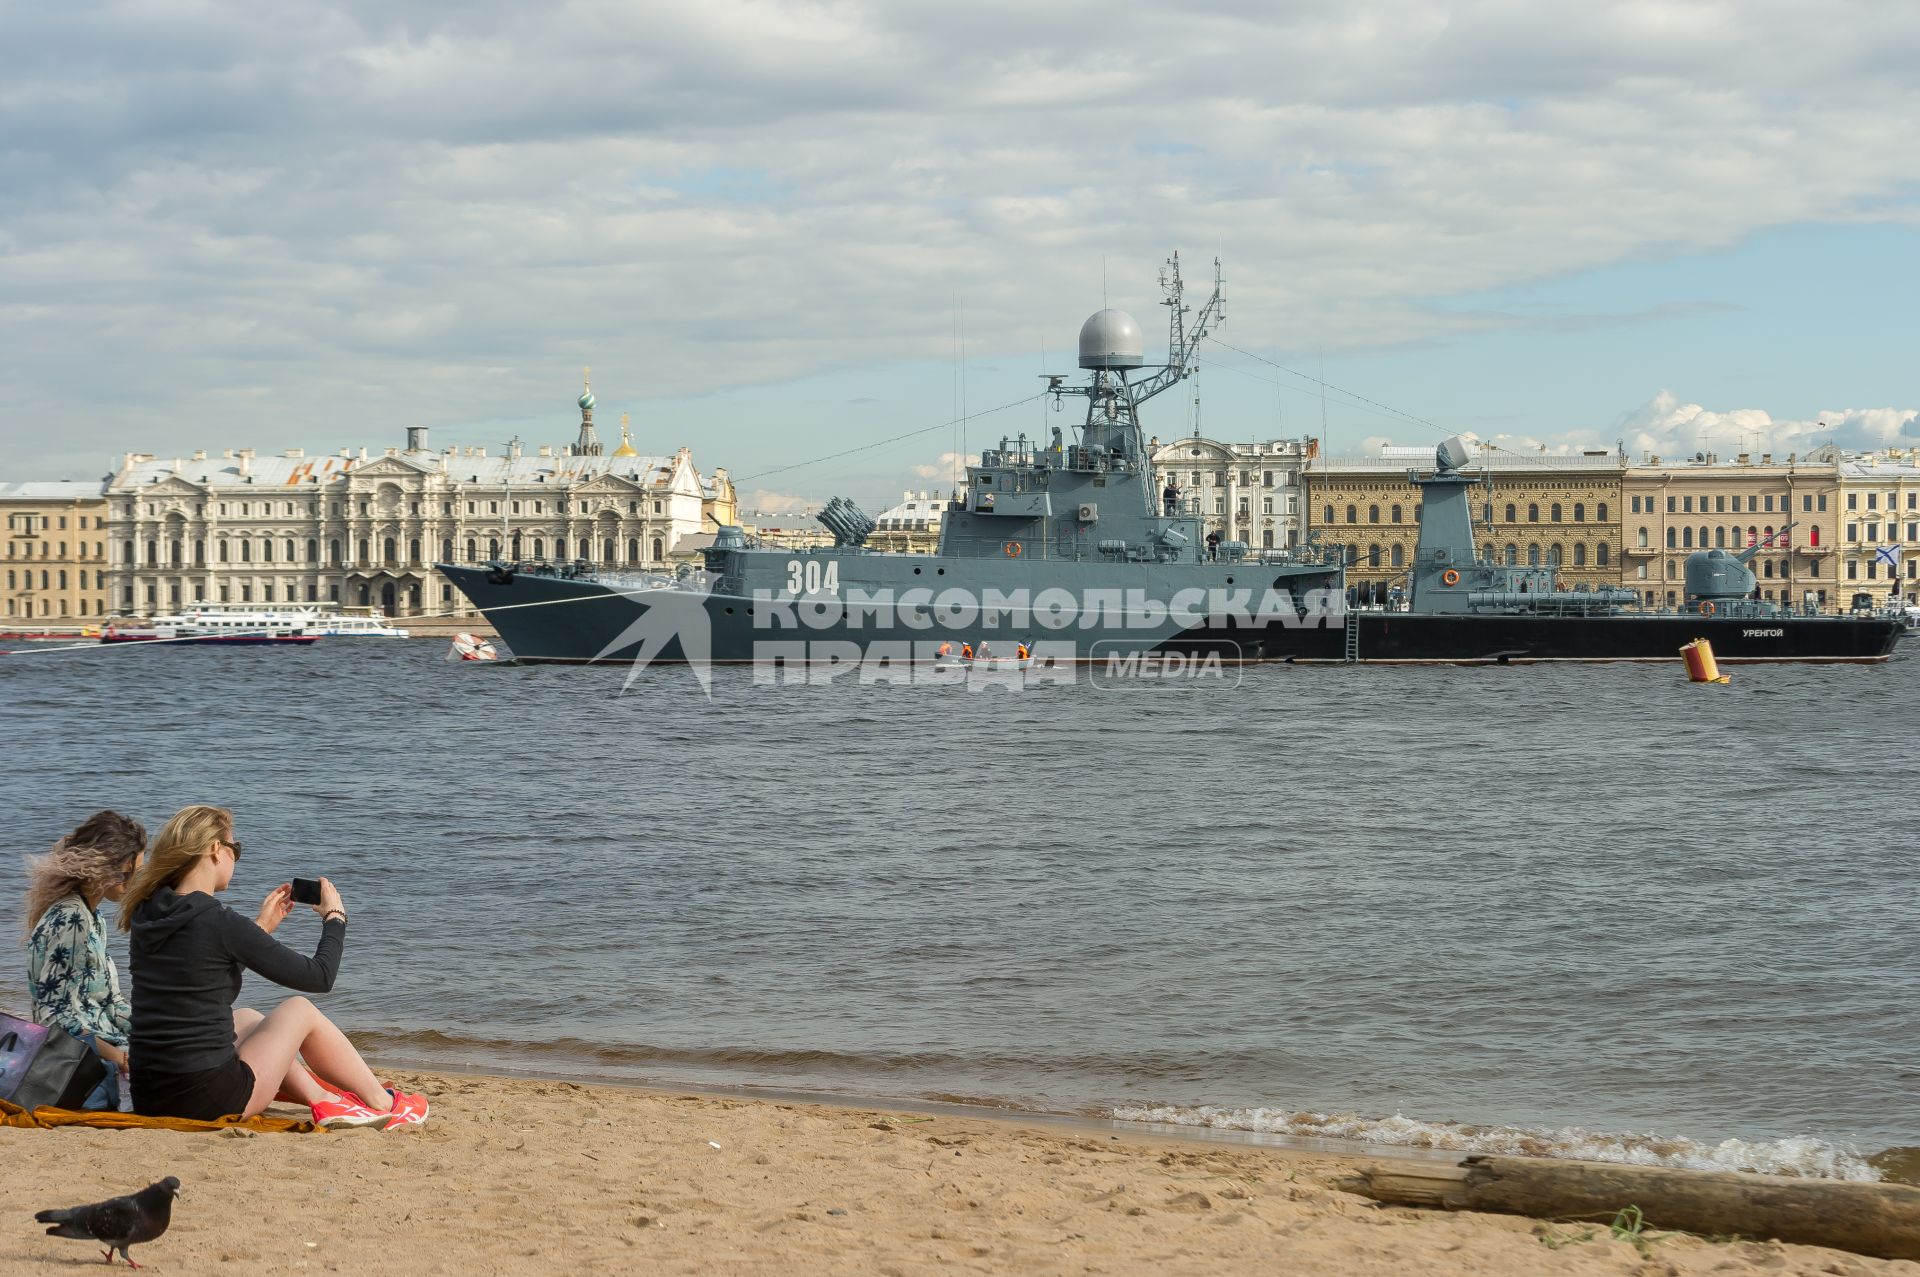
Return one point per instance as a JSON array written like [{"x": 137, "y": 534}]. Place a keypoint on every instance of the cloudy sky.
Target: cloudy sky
[{"x": 783, "y": 231}]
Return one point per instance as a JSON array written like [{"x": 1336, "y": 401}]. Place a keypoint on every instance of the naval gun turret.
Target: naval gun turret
[{"x": 1721, "y": 583}]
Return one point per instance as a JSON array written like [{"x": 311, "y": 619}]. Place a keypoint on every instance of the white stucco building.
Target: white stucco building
[{"x": 361, "y": 530}]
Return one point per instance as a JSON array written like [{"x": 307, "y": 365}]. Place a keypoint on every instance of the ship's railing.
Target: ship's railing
[{"x": 610, "y": 575}]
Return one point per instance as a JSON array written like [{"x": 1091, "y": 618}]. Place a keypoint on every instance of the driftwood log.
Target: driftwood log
[{"x": 1882, "y": 1220}]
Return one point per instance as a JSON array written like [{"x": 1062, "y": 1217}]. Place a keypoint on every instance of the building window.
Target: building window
[
  {"x": 1533, "y": 512},
  {"x": 1600, "y": 557},
  {"x": 607, "y": 551},
  {"x": 1853, "y": 501},
  {"x": 1600, "y": 512},
  {"x": 1373, "y": 514},
  {"x": 633, "y": 549},
  {"x": 1511, "y": 516},
  {"x": 659, "y": 550},
  {"x": 539, "y": 547},
  {"x": 1579, "y": 554},
  {"x": 333, "y": 555},
  {"x": 1533, "y": 556},
  {"x": 1399, "y": 557},
  {"x": 1813, "y": 537},
  {"x": 1513, "y": 556},
  {"x": 1329, "y": 519},
  {"x": 1373, "y": 556},
  {"x": 1672, "y": 505},
  {"x": 473, "y": 550},
  {"x": 266, "y": 550},
  {"x": 1579, "y": 512},
  {"x": 1673, "y": 538},
  {"x": 1554, "y": 512},
  {"x": 1353, "y": 514},
  {"x": 1395, "y": 512},
  {"x": 413, "y": 551}
]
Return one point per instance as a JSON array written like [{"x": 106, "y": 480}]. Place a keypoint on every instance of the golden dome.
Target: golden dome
[{"x": 626, "y": 448}]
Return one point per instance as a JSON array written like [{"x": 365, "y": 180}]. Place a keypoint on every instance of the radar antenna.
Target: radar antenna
[{"x": 1182, "y": 340}]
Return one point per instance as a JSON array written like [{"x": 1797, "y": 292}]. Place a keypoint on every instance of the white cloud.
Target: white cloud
[
  {"x": 1670, "y": 428},
  {"x": 947, "y": 467},
  {"x": 360, "y": 216},
  {"x": 765, "y": 501}
]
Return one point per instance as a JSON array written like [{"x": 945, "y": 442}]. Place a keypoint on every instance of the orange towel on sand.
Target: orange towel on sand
[{"x": 45, "y": 1118}]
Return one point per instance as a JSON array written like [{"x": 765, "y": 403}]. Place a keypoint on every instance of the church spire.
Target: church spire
[
  {"x": 626, "y": 448},
  {"x": 587, "y": 445}
]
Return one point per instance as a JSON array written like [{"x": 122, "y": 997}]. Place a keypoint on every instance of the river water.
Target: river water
[{"x": 1590, "y": 909}]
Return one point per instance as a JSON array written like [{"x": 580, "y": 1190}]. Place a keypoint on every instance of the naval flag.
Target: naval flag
[{"x": 1889, "y": 555}]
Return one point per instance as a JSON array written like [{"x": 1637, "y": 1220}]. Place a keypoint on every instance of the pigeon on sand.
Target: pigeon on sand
[{"x": 120, "y": 1222}]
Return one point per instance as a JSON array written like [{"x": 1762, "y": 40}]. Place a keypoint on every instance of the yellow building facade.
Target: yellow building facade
[
  {"x": 1534, "y": 510},
  {"x": 56, "y": 553},
  {"x": 1789, "y": 507}
]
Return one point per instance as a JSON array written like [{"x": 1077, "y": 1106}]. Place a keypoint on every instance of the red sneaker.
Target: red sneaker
[
  {"x": 345, "y": 1110},
  {"x": 408, "y": 1110}
]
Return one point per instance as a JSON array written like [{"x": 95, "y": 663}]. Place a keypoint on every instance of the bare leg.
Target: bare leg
[
  {"x": 296, "y": 1028},
  {"x": 299, "y": 1086}
]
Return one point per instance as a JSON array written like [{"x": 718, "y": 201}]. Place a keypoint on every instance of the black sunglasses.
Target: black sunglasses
[{"x": 233, "y": 845}]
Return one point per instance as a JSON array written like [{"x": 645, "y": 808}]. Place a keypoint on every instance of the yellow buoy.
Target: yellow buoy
[{"x": 1701, "y": 667}]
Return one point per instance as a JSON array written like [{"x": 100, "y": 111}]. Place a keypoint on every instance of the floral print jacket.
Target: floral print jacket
[{"x": 71, "y": 975}]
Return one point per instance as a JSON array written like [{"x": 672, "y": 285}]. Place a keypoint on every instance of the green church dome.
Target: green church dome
[{"x": 586, "y": 400}]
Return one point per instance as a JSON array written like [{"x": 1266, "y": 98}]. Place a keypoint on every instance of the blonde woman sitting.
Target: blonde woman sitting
[{"x": 188, "y": 954}]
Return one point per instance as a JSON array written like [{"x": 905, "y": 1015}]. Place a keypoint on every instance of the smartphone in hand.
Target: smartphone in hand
[{"x": 306, "y": 891}]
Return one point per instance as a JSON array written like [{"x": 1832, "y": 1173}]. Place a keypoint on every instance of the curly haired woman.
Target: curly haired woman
[{"x": 69, "y": 971}]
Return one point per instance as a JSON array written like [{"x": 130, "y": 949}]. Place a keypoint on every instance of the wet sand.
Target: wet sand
[{"x": 525, "y": 1176}]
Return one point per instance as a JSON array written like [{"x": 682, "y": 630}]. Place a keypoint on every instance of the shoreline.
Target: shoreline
[
  {"x": 1084, "y": 1123},
  {"x": 515, "y": 1175},
  {"x": 1389, "y": 1137}
]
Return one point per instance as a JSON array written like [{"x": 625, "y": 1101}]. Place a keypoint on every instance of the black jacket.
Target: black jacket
[{"x": 187, "y": 954}]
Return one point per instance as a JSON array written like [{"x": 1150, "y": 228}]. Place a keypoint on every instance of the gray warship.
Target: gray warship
[
  {"x": 1061, "y": 545},
  {"x": 1065, "y": 548}
]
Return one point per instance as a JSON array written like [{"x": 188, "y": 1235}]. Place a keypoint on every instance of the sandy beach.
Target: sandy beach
[{"x": 518, "y": 1176}]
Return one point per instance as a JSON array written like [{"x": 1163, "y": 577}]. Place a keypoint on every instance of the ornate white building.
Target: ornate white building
[
  {"x": 1245, "y": 491},
  {"x": 366, "y": 531},
  {"x": 913, "y": 526}
]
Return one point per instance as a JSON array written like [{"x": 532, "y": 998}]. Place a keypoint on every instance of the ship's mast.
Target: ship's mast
[{"x": 1113, "y": 403}]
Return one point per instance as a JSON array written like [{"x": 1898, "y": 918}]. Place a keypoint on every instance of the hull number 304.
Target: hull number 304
[{"x": 811, "y": 576}]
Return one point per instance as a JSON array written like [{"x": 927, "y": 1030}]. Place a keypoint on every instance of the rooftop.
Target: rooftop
[
  {"x": 52, "y": 490},
  {"x": 294, "y": 469}
]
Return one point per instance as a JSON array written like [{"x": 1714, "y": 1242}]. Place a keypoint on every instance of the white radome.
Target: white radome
[{"x": 1111, "y": 339}]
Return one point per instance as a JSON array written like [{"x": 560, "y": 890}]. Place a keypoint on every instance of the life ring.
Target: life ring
[
  {"x": 1012, "y": 549},
  {"x": 1450, "y": 577},
  {"x": 1707, "y": 608}
]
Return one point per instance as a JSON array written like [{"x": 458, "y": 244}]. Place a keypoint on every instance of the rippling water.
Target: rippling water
[{"x": 1523, "y": 907}]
